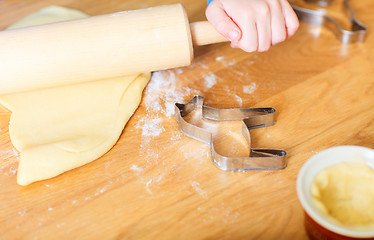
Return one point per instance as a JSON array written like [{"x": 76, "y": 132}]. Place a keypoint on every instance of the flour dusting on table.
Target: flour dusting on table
[
  {"x": 250, "y": 89},
  {"x": 160, "y": 96},
  {"x": 210, "y": 80}
]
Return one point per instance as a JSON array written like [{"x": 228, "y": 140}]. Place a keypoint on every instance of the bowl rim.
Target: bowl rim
[{"x": 305, "y": 200}]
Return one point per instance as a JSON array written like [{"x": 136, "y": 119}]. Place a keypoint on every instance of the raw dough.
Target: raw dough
[
  {"x": 49, "y": 14},
  {"x": 345, "y": 192},
  {"x": 58, "y": 129}
]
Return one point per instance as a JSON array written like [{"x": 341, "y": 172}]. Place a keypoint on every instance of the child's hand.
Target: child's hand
[{"x": 253, "y": 25}]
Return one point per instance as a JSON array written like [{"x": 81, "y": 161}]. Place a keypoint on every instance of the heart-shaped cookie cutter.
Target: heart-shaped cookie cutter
[
  {"x": 252, "y": 118},
  {"x": 356, "y": 33}
]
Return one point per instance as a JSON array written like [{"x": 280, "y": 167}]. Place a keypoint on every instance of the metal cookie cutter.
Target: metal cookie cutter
[
  {"x": 251, "y": 117},
  {"x": 357, "y": 30}
]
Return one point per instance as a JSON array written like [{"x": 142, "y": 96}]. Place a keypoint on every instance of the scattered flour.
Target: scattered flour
[
  {"x": 22, "y": 212},
  {"x": 162, "y": 93},
  {"x": 220, "y": 58},
  {"x": 238, "y": 99},
  {"x": 147, "y": 186},
  {"x": 60, "y": 225},
  {"x": 159, "y": 100},
  {"x": 226, "y": 63},
  {"x": 11, "y": 152},
  {"x": 233, "y": 95},
  {"x": 250, "y": 89},
  {"x": 12, "y": 170},
  {"x": 230, "y": 217},
  {"x": 203, "y": 153},
  {"x": 210, "y": 80},
  {"x": 136, "y": 168},
  {"x": 150, "y": 126},
  {"x": 108, "y": 163},
  {"x": 153, "y": 181},
  {"x": 103, "y": 189},
  {"x": 231, "y": 63},
  {"x": 199, "y": 190},
  {"x": 179, "y": 70},
  {"x": 204, "y": 66}
]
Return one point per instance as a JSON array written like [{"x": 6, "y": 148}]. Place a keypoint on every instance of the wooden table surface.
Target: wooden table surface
[{"x": 156, "y": 183}]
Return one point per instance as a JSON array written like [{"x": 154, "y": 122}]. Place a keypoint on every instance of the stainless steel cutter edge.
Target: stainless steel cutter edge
[{"x": 259, "y": 159}]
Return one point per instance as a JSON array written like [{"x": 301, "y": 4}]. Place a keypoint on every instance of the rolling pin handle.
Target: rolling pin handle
[{"x": 203, "y": 33}]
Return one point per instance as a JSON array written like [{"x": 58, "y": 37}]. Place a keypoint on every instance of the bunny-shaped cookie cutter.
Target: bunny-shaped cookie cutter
[{"x": 252, "y": 118}]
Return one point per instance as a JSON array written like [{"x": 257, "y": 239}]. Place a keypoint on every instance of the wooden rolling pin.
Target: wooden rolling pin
[{"x": 100, "y": 47}]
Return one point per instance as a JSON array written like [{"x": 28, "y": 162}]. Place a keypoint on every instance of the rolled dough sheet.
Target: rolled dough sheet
[{"x": 59, "y": 129}]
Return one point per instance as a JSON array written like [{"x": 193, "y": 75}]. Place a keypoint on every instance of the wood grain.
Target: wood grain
[{"x": 158, "y": 184}]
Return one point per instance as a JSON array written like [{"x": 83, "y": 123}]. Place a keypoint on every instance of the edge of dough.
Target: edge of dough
[{"x": 130, "y": 102}]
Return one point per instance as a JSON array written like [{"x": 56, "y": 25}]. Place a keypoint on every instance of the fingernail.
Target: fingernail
[{"x": 233, "y": 35}]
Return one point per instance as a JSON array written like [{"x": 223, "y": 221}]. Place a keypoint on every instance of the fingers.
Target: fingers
[
  {"x": 217, "y": 16},
  {"x": 253, "y": 18},
  {"x": 263, "y": 25},
  {"x": 253, "y": 25},
  {"x": 278, "y": 27},
  {"x": 249, "y": 40},
  {"x": 291, "y": 20}
]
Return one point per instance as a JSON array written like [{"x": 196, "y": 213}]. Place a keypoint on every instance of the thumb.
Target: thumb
[{"x": 217, "y": 16}]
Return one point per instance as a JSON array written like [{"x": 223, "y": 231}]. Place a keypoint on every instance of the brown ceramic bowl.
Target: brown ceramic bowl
[{"x": 317, "y": 225}]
